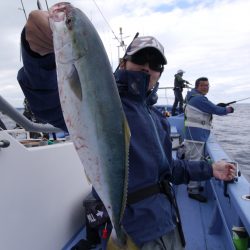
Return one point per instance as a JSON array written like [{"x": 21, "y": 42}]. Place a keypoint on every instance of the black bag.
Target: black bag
[
  {"x": 96, "y": 213},
  {"x": 96, "y": 216}
]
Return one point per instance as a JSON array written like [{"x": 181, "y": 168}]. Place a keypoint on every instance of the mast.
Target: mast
[{"x": 122, "y": 45}]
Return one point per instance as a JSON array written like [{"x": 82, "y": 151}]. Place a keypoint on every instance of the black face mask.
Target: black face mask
[{"x": 147, "y": 56}]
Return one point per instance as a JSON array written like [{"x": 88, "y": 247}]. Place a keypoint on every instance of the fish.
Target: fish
[{"x": 93, "y": 112}]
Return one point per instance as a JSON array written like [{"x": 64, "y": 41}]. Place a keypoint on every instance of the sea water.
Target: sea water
[{"x": 232, "y": 132}]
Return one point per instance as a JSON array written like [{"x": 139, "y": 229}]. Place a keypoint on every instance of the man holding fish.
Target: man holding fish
[{"x": 68, "y": 82}]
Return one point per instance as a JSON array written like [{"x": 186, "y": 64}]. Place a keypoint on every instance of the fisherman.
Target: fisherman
[
  {"x": 179, "y": 84},
  {"x": 27, "y": 111},
  {"x": 198, "y": 123},
  {"x": 150, "y": 215}
]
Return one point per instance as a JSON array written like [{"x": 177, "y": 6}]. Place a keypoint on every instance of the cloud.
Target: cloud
[{"x": 205, "y": 38}]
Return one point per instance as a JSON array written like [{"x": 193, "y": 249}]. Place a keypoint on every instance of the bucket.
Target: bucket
[{"x": 240, "y": 238}]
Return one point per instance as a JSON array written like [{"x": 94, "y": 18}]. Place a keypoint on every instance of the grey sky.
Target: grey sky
[{"x": 204, "y": 38}]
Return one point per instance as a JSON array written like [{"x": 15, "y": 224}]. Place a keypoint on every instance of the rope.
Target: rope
[{"x": 106, "y": 22}]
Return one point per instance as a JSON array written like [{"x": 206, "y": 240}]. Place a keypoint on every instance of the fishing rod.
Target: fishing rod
[
  {"x": 23, "y": 9},
  {"x": 119, "y": 64},
  {"x": 39, "y": 6},
  {"x": 47, "y": 5},
  {"x": 226, "y": 104},
  {"x": 165, "y": 88}
]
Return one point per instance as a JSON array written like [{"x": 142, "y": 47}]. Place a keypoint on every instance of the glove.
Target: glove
[
  {"x": 38, "y": 33},
  {"x": 187, "y": 82},
  {"x": 230, "y": 109},
  {"x": 222, "y": 104}
]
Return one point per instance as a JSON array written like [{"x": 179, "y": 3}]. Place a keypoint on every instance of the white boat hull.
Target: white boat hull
[{"x": 42, "y": 191}]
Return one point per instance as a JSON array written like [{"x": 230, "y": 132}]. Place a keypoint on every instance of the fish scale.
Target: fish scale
[{"x": 92, "y": 110}]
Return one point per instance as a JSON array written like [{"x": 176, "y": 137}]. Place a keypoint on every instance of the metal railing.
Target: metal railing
[{"x": 20, "y": 119}]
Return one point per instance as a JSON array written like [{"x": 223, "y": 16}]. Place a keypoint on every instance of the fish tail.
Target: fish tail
[{"x": 114, "y": 245}]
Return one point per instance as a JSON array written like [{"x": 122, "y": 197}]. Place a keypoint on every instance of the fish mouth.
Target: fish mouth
[
  {"x": 62, "y": 18},
  {"x": 58, "y": 11}
]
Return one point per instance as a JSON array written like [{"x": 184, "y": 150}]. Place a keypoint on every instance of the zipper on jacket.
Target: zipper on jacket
[{"x": 164, "y": 158}]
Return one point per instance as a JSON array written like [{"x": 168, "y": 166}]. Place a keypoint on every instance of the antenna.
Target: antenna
[
  {"x": 120, "y": 59},
  {"x": 122, "y": 44}
]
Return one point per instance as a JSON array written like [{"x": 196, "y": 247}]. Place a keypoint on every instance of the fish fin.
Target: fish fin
[
  {"x": 75, "y": 83},
  {"x": 113, "y": 245},
  {"x": 127, "y": 135}
]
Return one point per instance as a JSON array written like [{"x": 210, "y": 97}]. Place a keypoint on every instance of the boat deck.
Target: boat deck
[
  {"x": 195, "y": 218},
  {"x": 196, "y": 233}
]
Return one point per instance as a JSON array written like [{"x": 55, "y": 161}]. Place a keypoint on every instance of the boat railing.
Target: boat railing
[
  {"x": 166, "y": 95},
  {"x": 19, "y": 133},
  {"x": 233, "y": 198},
  {"x": 232, "y": 204},
  {"x": 20, "y": 119}
]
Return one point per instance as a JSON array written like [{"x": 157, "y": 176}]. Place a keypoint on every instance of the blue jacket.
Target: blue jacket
[
  {"x": 150, "y": 154},
  {"x": 201, "y": 102}
]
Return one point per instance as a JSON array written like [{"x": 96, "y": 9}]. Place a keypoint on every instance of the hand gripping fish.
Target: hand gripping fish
[{"x": 93, "y": 111}]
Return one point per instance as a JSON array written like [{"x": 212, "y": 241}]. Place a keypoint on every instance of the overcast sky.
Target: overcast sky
[{"x": 204, "y": 38}]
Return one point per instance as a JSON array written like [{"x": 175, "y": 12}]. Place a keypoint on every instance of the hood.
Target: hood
[
  {"x": 191, "y": 93},
  {"x": 135, "y": 84}
]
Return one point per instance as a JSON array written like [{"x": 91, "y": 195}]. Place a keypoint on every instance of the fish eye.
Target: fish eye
[{"x": 68, "y": 21}]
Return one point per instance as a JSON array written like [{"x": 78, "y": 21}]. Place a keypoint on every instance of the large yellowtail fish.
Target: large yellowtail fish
[{"x": 93, "y": 111}]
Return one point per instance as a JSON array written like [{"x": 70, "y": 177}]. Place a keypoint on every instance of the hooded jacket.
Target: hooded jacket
[
  {"x": 198, "y": 116},
  {"x": 150, "y": 153}
]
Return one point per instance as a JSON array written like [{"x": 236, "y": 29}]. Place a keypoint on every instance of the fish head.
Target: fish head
[{"x": 66, "y": 27}]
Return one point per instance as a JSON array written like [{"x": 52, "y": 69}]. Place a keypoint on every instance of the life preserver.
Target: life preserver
[{"x": 194, "y": 117}]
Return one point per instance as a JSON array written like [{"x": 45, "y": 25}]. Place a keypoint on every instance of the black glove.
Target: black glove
[
  {"x": 187, "y": 82},
  {"x": 222, "y": 104}
]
